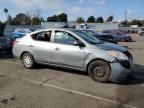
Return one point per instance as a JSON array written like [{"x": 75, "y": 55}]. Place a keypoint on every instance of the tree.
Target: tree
[
  {"x": 6, "y": 12},
  {"x": 37, "y": 13},
  {"x": 136, "y": 22},
  {"x": 36, "y": 21},
  {"x": 52, "y": 18},
  {"x": 91, "y": 19},
  {"x": 9, "y": 19},
  {"x": 80, "y": 20},
  {"x": 21, "y": 19},
  {"x": 62, "y": 17},
  {"x": 125, "y": 24},
  {"x": 110, "y": 19},
  {"x": 42, "y": 19},
  {"x": 58, "y": 18},
  {"x": 99, "y": 20}
]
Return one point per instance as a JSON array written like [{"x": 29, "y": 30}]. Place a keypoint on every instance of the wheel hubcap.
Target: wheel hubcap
[
  {"x": 99, "y": 71},
  {"x": 27, "y": 61}
]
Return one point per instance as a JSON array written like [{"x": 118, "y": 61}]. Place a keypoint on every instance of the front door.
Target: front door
[{"x": 64, "y": 52}]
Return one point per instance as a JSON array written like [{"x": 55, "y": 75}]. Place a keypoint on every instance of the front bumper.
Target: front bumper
[{"x": 119, "y": 72}]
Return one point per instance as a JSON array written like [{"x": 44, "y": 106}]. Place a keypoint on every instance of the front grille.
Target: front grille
[
  {"x": 125, "y": 64},
  {"x": 128, "y": 54}
]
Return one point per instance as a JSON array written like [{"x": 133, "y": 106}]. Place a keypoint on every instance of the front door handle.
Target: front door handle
[
  {"x": 31, "y": 46},
  {"x": 57, "y": 48}
]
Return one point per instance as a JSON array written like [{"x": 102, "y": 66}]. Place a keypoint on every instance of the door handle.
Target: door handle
[
  {"x": 31, "y": 46},
  {"x": 57, "y": 48}
]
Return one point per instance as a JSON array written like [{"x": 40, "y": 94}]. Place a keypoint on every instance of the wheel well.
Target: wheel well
[
  {"x": 24, "y": 53},
  {"x": 96, "y": 60}
]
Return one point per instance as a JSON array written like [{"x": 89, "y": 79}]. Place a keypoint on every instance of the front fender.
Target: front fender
[{"x": 97, "y": 54}]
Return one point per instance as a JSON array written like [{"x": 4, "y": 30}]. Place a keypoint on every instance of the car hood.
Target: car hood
[{"x": 110, "y": 46}]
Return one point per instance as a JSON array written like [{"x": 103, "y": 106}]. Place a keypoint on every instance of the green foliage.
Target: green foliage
[
  {"x": 62, "y": 17},
  {"x": 80, "y": 20},
  {"x": 110, "y": 19},
  {"x": 91, "y": 19},
  {"x": 36, "y": 21},
  {"x": 6, "y": 10},
  {"x": 41, "y": 19},
  {"x": 99, "y": 20},
  {"x": 52, "y": 18},
  {"x": 58, "y": 18},
  {"x": 125, "y": 24},
  {"x": 9, "y": 19},
  {"x": 21, "y": 19},
  {"x": 136, "y": 22},
  {"x": 133, "y": 22}
]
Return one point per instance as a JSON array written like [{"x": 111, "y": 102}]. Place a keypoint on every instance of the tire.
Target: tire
[
  {"x": 99, "y": 71},
  {"x": 28, "y": 61}
]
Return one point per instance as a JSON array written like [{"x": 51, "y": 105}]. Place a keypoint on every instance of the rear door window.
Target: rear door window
[{"x": 42, "y": 36}]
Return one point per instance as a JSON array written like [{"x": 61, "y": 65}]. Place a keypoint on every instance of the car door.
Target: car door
[
  {"x": 41, "y": 46},
  {"x": 64, "y": 52}
]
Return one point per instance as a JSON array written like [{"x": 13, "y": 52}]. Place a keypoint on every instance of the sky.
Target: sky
[{"x": 76, "y": 8}]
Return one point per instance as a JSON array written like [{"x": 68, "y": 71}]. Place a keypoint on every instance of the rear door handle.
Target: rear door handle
[
  {"x": 57, "y": 48},
  {"x": 31, "y": 46}
]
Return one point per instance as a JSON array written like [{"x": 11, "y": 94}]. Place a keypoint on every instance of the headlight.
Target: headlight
[{"x": 118, "y": 55}]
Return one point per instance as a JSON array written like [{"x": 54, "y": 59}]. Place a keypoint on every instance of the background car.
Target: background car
[
  {"x": 5, "y": 44},
  {"x": 20, "y": 32},
  {"x": 104, "y": 36},
  {"x": 122, "y": 35},
  {"x": 74, "y": 49},
  {"x": 141, "y": 33}
]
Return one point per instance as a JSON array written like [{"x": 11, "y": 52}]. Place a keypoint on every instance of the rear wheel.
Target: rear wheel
[
  {"x": 28, "y": 60},
  {"x": 99, "y": 71}
]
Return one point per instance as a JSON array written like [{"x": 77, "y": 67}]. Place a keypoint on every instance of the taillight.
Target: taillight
[{"x": 15, "y": 42}]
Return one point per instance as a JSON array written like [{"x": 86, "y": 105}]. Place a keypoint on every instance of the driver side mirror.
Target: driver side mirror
[{"x": 78, "y": 43}]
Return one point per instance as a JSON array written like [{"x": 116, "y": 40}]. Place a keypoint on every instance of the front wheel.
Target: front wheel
[
  {"x": 99, "y": 71},
  {"x": 28, "y": 60}
]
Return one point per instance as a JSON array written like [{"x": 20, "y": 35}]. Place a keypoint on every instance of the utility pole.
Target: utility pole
[{"x": 125, "y": 15}]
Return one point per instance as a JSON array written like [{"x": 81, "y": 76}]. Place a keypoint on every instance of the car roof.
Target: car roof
[{"x": 63, "y": 29}]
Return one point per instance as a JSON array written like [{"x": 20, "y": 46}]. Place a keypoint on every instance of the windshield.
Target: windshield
[{"x": 87, "y": 37}]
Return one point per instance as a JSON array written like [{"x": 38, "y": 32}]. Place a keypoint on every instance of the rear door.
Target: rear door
[{"x": 41, "y": 46}]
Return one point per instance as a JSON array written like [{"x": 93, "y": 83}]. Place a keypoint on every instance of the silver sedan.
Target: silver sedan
[{"x": 74, "y": 49}]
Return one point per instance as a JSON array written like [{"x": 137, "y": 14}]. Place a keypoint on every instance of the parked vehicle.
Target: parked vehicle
[
  {"x": 83, "y": 26},
  {"x": 141, "y": 33},
  {"x": 74, "y": 49},
  {"x": 5, "y": 44},
  {"x": 123, "y": 36},
  {"x": 103, "y": 36},
  {"x": 20, "y": 32}
]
